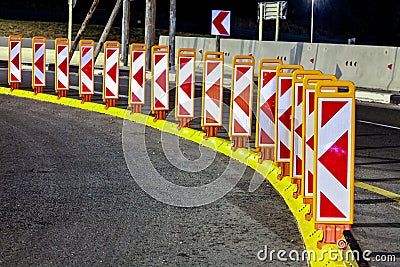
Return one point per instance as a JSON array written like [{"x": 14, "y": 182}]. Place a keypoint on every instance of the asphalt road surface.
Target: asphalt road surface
[{"x": 68, "y": 198}]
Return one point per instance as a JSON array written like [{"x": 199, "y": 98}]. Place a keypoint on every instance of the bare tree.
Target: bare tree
[
  {"x": 82, "y": 28},
  {"x": 149, "y": 30},
  {"x": 172, "y": 29},
  {"x": 107, "y": 29}
]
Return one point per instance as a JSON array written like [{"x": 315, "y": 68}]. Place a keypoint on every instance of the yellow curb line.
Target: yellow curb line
[
  {"x": 245, "y": 156},
  {"x": 378, "y": 190}
]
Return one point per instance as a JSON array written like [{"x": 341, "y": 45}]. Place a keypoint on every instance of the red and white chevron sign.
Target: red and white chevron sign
[
  {"x": 284, "y": 112},
  {"x": 86, "y": 67},
  {"x": 138, "y": 74},
  {"x": 185, "y": 87},
  {"x": 242, "y": 96},
  {"x": 14, "y": 59},
  {"x": 266, "y": 103},
  {"x": 160, "y": 78},
  {"x": 213, "y": 89},
  {"x": 334, "y": 158},
  {"x": 308, "y": 131},
  {"x": 111, "y": 70},
  {"x": 297, "y": 121},
  {"x": 62, "y": 63},
  {"x": 39, "y": 61},
  {"x": 220, "y": 22}
]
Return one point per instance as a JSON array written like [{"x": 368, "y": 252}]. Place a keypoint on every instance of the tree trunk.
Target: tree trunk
[
  {"x": 107, "y": 29},
  {"x": 149, "y": 30},
  {"x": 125, "y": 32},
  {"x": 83, "y": 28},
  {"x": 172, "y": 29}
]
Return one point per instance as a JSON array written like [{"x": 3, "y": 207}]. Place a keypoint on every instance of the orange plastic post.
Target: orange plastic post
[{"x": 137, "y": 80}]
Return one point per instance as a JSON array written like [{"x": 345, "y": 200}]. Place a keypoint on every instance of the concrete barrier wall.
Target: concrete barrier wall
[{"x": 375, "y": 67}]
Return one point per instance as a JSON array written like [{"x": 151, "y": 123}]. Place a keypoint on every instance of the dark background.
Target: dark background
[{"x": 369, "y": 21}]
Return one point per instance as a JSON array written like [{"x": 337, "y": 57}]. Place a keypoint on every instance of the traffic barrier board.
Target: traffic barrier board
[
  {"x": 111, "y": 73},
  {"x": 62, "y": 66},
  {"x": 160, "y": 81},
  {"x": 240, "y": 122},
  {"x": 213, "y": 76},
  {"x": 308, "y": 176},
  {"x": 296, "y": 151},
  {"x": 38, "y": 63},
  {"x": 334, "y": 152},
  {"x": 14, "y": 61},
  {"x": 265, "y": 127},
  {"x": 86, "y": 69},
  {"x": 283, "y": 113},
  {"x": 185, "y": 85},
  {"x": 220, "y": 22},
  {"x": 137, "y": 81}
]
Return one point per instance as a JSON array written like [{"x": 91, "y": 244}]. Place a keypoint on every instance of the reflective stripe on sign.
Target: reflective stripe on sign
[
  {"x": 14, "y": 59},
  {"x": 111, "y": 70},
  {"x": 334, "y": 141},
  {"x": 39, "y": 61},
  {"x": 242, "y": 96},
  {"x": 185, "y": 83},
  {"x": 86, "y": 67},
  {"x": 160, "y": 78},
  {"x": 137, "y": 80},
  {"x": 62, "y": 63},
  {"x": 212, "y": 89}
]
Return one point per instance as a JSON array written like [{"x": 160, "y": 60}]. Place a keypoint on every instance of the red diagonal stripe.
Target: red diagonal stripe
[
  {"x": 136, "y": 55},
  {"x": 329, "y": 109},
  {"x": 38, "y": 81},
  {"x": 13, "y": 44},
  {"x": 237, "y": 128},
  {"x": 63, "y": 67},
  {"x": 267, "y": 76},
  {"x": 298, "y": 165},
  {"x": 158, "y": 104},
  {"x": 286, "y": 84},
  {"x": 88, "y": 69},
  {"x": 211, "y": 66},
  {"x": 15, "y": 61},
  {"x": 138, "y": 76},
  {"x": 183, "y": 61},
  {"x": 264, "y": 138},
  {"x": 311, "y": 101},
  {"x": 328, "y": 209},
  {"x": 85, "y": 50},
  {"x": 310, "y": 179},
  {"x": 85, "y": 89},
  {"x": 299, "y": 130},
  {"x": 183, "y": 111},
  {"x": 299, "y": 94},
  {"x": 240, "y": 71},
  {"x": 162, "y": 80},
  {"x": 158, "y": 58},
  {"x": 285, "y": 152},
  {"x": 40, "y": 63},
  {"x": 110, "y": 52},
  {"x": 13, "y": 78},
  {"x": 243, "y": 100},
  {"x": 310, "y": 142},
  {"x": 112, "y": 73},
  {"x": 210, "y": 118},
  {"x": 214, "y": 92},
  {"x": 187, "y": 86},
  {"x": 336, "y": 157},
  {"x": 109, "y": 93},
  {"x": 60, "y": 85},
  {"x": 285, "y": 118}
]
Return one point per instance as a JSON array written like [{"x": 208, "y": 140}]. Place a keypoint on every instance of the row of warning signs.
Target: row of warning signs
[{"x": 304, "y": 119}]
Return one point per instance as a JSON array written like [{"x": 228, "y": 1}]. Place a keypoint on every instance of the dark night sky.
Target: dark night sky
[{"x": 370, "y": 21}]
